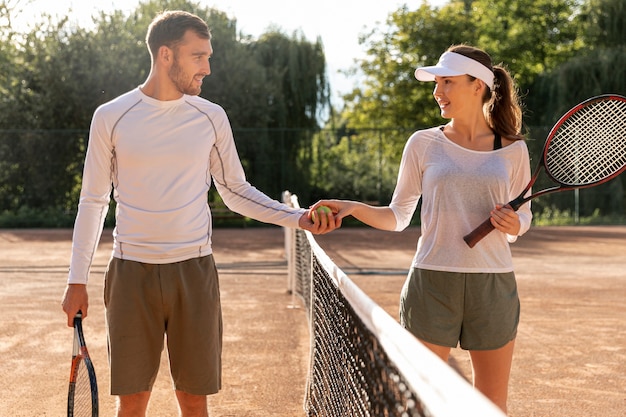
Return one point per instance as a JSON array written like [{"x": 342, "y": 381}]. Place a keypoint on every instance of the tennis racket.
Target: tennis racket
[
  {"x": 82, "y": 398},
  {"x": 586, "y": 147}
]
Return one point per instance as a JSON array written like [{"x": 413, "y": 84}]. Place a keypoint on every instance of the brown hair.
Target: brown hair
[
  {"x": 168, "y": 29},
  {"x": 502, "y": 107}
]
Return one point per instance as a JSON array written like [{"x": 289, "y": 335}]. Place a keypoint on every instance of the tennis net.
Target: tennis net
[{"x": 362, "y": 362}]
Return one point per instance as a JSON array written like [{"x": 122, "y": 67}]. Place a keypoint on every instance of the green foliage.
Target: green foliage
[
  {"x": 288, "y": 78},
  {"x": 389, "y": 96},
  {"x": 27, "y": 217},
  {"x": 357, "y": 164},
  {"x": 40, "y": 169},
  {"x": 597, "y": 69},
  {"x": 604, "y": 23},
  {"x": 528, "y": 36},
  {"x": 555, "y": 217}
]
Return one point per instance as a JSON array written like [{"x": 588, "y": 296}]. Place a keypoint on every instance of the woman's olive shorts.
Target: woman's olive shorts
[{"x": 478, "y": 311}]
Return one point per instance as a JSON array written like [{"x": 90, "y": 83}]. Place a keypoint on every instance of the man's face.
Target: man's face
[{"x": 191, "y": 63}]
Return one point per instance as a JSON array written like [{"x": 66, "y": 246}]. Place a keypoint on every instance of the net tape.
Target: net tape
[
  {"x": 362, "y": 362},
  {"x": 589, "y": 146}
]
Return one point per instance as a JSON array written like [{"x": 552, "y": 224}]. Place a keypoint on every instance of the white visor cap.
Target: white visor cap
[{"x": 452, "y": 64}]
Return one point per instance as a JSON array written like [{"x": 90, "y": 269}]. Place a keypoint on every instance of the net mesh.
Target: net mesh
[
  {"x": 362, "y": 362},
  {"x": 590, "y": 145}
]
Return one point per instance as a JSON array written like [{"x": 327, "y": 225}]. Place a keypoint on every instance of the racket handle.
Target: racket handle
[{"x": 479, "y": 233}]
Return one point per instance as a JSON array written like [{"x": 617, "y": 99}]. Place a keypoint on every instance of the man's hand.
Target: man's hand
[
  {"x": 324, "y": 222},
  {"x": 75, "y": 298}
]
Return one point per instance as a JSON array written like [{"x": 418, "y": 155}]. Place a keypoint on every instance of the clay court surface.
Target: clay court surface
[{"x": 570, "y": 357}]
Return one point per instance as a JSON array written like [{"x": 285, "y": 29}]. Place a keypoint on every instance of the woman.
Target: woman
[{"x": 465, "y": 170}]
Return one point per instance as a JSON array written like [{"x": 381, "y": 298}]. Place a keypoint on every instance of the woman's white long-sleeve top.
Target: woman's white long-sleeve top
[{"x": 458, "y": 188}]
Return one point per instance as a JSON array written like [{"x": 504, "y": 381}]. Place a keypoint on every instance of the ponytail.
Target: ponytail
[{"x": 503, "y": 110}]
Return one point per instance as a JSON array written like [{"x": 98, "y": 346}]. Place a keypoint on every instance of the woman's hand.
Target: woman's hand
[{"x": 505, "y": 219}]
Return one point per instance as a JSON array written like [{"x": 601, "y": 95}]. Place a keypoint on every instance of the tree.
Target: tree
[
  {"x": 529, "y": 36},
  {"x": 604, "y": 23},
  {"x": 598, "y": 69},
  {"x": 294, "y": 70},
  {"x": 389, "y": 96}
]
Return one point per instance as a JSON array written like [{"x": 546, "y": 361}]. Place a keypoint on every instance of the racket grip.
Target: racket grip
[{"x": 479, "y": 233}]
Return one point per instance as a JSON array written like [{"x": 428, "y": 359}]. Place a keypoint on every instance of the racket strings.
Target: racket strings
[
  {"x": 589, "y": 146},
  {"x": 82, "y": 392}
]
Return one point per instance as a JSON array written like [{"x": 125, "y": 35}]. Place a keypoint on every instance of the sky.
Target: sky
[{"x": 338, "y": 22}]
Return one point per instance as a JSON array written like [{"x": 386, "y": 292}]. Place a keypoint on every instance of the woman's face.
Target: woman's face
[{"x": 457, "y": 96}]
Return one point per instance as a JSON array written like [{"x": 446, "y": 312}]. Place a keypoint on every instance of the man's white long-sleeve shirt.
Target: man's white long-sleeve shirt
[{"x": 159, "y": 157}]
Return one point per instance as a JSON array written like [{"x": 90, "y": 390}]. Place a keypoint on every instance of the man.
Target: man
[{"x": 158, "y": 147}]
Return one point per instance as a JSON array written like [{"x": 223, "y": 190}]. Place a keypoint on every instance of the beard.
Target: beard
[{"x": 184, "y": 83}]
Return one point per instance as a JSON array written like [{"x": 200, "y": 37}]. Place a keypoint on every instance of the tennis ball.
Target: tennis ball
[{"x": 319, "y": 210}]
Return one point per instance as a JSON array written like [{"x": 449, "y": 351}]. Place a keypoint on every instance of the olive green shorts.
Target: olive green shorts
[
  {"x": 474, "y": 310},
  {"x": 149, "y": 304}
]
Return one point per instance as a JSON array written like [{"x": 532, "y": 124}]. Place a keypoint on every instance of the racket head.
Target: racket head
[
  {"x": 587, "y": 145},
  {"x": 82, "y": 397}
]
